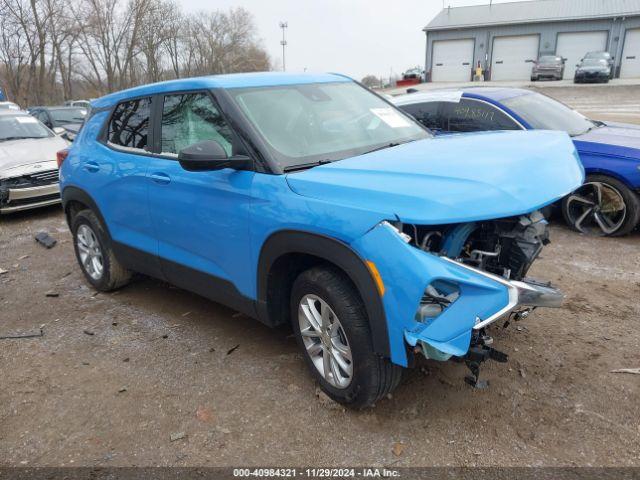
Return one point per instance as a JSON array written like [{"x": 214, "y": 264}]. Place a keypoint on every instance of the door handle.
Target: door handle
[
  {"x": 161, "y": 178},
  {"x": 91, "y": 167}
]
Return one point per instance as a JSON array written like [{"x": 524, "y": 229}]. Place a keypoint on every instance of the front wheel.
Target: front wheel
[
  {"x": 331, "y": 326},
  {"x": 603, "y": 206}
]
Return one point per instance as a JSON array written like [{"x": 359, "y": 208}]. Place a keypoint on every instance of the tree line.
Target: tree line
[{"x": 55, "y": 50}]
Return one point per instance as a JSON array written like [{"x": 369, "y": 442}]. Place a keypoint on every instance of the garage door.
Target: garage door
[
  {"x": 573, "y": 46},
  {"x": 630, "y": 64},
  {"x": 452, "y": 60},
  {"x": 512, "y": 57}
]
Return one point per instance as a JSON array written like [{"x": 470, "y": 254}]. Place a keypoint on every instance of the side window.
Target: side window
[
  {"x": 474, "y": 116},
  {"x": 427, "y": 113},
  {"x": 129, "y": 124},
  {"x": 43, "y": 117},
  {"x": 191, "y": 118}
]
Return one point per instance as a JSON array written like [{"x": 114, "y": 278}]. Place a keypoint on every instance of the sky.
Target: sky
[{"x": 354, "y": 37}]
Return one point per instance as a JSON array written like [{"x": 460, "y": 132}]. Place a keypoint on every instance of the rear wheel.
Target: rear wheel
[
  {"x": 93, "y": 252},
  {"x": 603, "y": 206},
  {"x": 331, "y": 326}
]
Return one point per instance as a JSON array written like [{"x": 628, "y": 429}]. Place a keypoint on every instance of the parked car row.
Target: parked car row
[
  {"x": 593, "y": 67},
  {"x": 28, "y": 169},
  {"x": 29, "y": 142},
  {"x": 310, "y": 200}
]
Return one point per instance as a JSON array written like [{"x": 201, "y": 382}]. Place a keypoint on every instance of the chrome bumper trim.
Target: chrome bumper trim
[
  {"x": 29, "y": 206},
  {"x": 33, "y": 192},
  {"x": 521, "y": 294}
]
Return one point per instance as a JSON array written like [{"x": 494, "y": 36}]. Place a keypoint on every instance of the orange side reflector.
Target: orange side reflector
[{"x": 376, "y": 276}]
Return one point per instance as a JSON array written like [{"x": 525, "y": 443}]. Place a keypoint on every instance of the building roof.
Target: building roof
[
  {"x": 531, "y": 12},
  {"x": 236, "y": 80}
]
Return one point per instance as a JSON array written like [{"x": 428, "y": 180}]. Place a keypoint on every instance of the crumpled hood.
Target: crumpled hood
[
  {"x": 15, "y": 154},
  {"x": 600, "y": 140},
  {"x": 451, "y": 179}
]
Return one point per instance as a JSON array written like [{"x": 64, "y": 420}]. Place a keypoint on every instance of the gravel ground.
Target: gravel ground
[{"x": 115, "y": 376}]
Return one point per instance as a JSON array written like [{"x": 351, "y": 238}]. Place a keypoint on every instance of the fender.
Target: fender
[
  {"x": 74, "y": 193},
  {"x": 131, "y": 258},
  {"x": 335, "y": 252}
]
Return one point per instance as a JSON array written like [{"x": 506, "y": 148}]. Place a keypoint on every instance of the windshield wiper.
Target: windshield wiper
[
  {"x": 304, "y": 166},
  {"x": 381, "y": 147}
]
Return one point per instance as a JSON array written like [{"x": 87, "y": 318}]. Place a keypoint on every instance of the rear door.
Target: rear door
[
  {"x": 201, "y": 218},
  {"x": 512, "y": 57},
  {"x": 452, "y": 60},
  {"x": 115, "y": 174},
  {"x": 574, "y": 45}
]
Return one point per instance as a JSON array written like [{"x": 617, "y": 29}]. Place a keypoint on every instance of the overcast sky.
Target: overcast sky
[{"x": 355, "y": 37}]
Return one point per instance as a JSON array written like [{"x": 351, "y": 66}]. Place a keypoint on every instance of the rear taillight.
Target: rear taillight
[{"x": 61, "y": 156}]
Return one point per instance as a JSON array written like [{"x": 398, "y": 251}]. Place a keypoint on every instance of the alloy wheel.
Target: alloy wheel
[
  {"x": 596, "y": 208},
  {"x": 325, "y": 341},
  {"x": 89, "y": 252}
]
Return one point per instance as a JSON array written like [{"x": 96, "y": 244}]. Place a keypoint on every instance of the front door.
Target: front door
[{"x": 201, "y": 218}]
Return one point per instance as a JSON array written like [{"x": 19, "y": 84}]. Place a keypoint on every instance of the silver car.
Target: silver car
[{"x": 28, "y": 167}]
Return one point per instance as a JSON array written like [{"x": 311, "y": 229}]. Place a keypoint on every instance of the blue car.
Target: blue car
[
  {"x": 307, "y": 200},
  {"x": 609, "y": 201}
]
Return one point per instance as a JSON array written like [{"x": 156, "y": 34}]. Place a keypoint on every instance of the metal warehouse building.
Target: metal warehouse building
[{"x": 506, "y": 37}]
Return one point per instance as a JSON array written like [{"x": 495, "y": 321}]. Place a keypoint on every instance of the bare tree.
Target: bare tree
[{"x": 51, "y": 50}]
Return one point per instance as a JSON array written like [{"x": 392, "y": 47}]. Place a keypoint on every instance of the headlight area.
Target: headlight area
[{"x": 439, "y": 306}]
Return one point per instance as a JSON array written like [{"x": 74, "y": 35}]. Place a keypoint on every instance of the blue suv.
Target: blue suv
[{"x": 311, "y": 201}]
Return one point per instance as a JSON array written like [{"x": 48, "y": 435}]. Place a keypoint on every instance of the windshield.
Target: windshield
[
  {"x": 544, "y": 113},
  {"x": 305, "y": 124},
  {"x": 594, "y": 62},
  {"x": 15, "y": 127},
  {"x": 68, "y": 115},
  {"x": 549, "y": 60},
  {"x": 597, "y": 55}
]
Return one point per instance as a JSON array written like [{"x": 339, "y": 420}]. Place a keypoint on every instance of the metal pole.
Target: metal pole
[{"x": 283, "y": 26}]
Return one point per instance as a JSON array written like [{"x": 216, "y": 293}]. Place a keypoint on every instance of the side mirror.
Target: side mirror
[
  {"x": 210, "y": 155},
  {"x": 58, "y": 130}
]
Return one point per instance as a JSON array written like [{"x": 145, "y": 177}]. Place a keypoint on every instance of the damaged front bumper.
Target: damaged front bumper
[
  {"x": 526, "y": 294},
  {"x": 482, "y": 298}
]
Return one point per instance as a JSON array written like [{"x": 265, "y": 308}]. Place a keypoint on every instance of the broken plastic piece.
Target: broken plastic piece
[{"x": 46, "y": 240}]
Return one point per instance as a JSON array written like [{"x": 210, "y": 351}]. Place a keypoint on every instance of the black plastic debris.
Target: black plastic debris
[
  {"x": 44, "y": 239},
  {"x": 23, "y": 335}
]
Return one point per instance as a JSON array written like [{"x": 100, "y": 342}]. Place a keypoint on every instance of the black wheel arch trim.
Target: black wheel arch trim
[
  {"x": 77, "y": 194},
  {"x": 333, "y": 251}
]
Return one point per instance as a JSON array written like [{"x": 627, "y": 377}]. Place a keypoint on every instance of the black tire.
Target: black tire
[
  {"x": 630, "y": 198},
  {"x": 373, "y": 376},
  {"x": 114, "y": 275}
]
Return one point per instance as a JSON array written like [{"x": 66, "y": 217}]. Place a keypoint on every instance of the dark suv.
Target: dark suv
[{"x": 548, "y": 66}]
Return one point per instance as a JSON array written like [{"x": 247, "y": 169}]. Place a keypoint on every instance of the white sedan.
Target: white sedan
[{"x": 28, "y": 168}]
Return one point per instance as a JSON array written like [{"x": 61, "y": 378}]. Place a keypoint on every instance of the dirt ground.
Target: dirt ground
[{"x": 116, "y": 375}]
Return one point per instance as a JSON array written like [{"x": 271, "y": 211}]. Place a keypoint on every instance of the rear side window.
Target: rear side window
[
  {"x": 192, "y": 118},
  {"x": 129, "y": 124},
  {"x": 474, "y": 116},
  {"x": 427, "y": 113}
]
